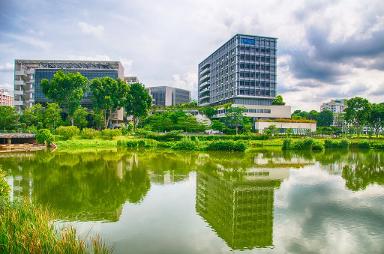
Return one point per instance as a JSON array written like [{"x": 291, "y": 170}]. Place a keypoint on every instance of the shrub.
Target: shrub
[
  {"x": 44, "y": 136},
  {"x": 26, "y": 228},
  {"x": 377, "y": 145},
  {"x": 138, "y": 143},
  {"x": 342, "y": 144},
  {"x": 287, "y": 144},
  {"x": 227, "y": 145},
  {"x": 110, "y": 133},
  {"x": 89, "y": 133},
  {"x": 185, "y": 144},
  {"x": 360, "y": 144},
  {"x": 126, "y": 129},
  {"x": 169, "y": 136},
  {"x": 67, "y": 132}
]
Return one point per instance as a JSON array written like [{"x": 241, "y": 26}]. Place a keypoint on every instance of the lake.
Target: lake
[{"x": 196, "y": 202}]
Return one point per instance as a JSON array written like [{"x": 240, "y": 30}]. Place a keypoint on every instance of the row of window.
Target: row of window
[
  {"x": 256, "y": 75},
  {"x": 256, "y": 92},
  {"x": 258, "y": 110},
  {"x": 252, "y": 66},
  {"x": 257, "y": 58}
]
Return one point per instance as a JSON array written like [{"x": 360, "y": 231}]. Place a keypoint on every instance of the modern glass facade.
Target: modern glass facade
[
  {"x": 242, "y": 71},
  {"x": 29, "y": 73},
  {"x": 169, "y": 96},
  {"x": 41, "y": 74}
]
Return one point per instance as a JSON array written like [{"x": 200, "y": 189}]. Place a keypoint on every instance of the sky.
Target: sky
[{"x": 326, "y": 48}]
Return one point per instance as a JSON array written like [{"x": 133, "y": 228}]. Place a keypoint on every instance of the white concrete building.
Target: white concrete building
[{"x": 297, "y": 127}]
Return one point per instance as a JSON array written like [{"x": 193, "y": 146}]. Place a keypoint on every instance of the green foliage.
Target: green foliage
[
  {"x": 138, "y": 143},
  {"x": 67, "y": 89},
  {"x": 271, "y": 130},
  {"x": 278, "y": 100},
  {"x": 217, "y": 125},
  {"x": 138, "y": 103},
  {"x": 339, "y": 144},
  {"x": 209, "y": 111},
  {"x": 126, "y": 129},
  {"x": 360, "y": 144},
  {"x": 52, "y": 116},
  {"x": 4, "y": 187},
  {"x": 89, "y": 133},
  {"x": 33, "y": 116},
  {"x": 44, "y": 136},
  {"x": 287, "y": 144},
  {"x": 110, "y": 133},
  {"x": 9, "y": 118},
  {"x": 80, "y": 117},
  {"x": 357, "y": 112},
  {"x": 67, "y": 132},
  {"x": 306, "y": 144},
  {"x": 108, "y": 95},
  {"x": 376, "y": 118},
  {"x": 173, "y": 120},
  {"x": 234, "y": 118},
  {"x": 232, "y": 137},
  {"x": 325, "y": 118},
  {"x": 25, "y": 228},
  {"x": 169, "y": 136},
  {"x": 227, "y": 145},
  {"x": 186, "y": 144}
]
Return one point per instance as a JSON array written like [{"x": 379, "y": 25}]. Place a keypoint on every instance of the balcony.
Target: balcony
[
  {"x": 18, "y": 92},
  {"x": 18, "y": 103},
  {"x": 204, "y": 84},
  {"x": 20, "y": 72},
  {"x": 19, "y": 82},
  {"x": 204, "y": 97},
  {"x": 205, "y": 71}
]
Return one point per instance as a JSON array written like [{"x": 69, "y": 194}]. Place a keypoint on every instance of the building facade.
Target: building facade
[
  {"x": 29, "y": 73},
  {"x": 6, "y": 99},
  {"x": 169, "y": 96},
  {"x": 131, "y": 79},
  {"x": 242, "y": 72},
  {"x": 297, "y": 127}
]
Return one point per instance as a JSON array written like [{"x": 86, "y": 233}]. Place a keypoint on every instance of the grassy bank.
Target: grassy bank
[
  {"x": 25, "y": 228},
  {"x": 176, "y": 141}
]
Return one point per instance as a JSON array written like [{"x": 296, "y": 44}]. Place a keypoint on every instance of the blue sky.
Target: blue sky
[{"x": 326, "y": 49}]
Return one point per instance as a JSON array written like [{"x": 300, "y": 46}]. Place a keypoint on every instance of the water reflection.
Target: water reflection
[{"x": 235, "y": 192}]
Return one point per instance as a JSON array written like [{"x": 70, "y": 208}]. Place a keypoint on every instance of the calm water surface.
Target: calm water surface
[{"x": 177, "y": 202}]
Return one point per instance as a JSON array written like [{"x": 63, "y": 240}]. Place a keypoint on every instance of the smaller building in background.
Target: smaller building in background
[
  {"x": 131, "y": 79},
  {"x": 169, "y": 96},
  {"x": 337, "y": 107},
  {"x": 6, "y": 98}
]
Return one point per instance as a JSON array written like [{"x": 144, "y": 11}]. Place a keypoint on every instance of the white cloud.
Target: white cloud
[
  {"x": 6, "y": 67},
  {"x": 89, "y": 29}
]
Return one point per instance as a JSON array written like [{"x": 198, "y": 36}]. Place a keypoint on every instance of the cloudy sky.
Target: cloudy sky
[{"x": 326, "y": 49}]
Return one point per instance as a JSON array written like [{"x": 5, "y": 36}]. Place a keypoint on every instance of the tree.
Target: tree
[
  {"x": 357, "y": 112},
  {"x": 376, "y": 117},
  {"x": 9, "y": 118},
  {"x": 278, "y": 100},
  {"x": 52, "y": 116},
  {"x": 67, "y": 89},
  {"x": 271, "y": 130},
  {"x": 209, "y": 111},
  {"x": 325, "y": 118},
  {"x": 33, "y": 116},
  {"x": 108, "y": 95},
  {"x": 80, "y": 117},
  {"x": 138, "y": 103},
  {"x": 234, "y": 117},
  {"x": 217, "y": 125}
]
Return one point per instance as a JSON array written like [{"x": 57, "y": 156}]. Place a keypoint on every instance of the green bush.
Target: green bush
[
  {"x": 287, "y": 144},
  {"x": 227, "y": 145},
  {"x": 169, "y": 136},
  {"x": 44, "y": 136},
  {"x": 110, "y": 133},
  {"x": 360, "y": 144},
  {"x": 340, "y": 144},
  {"x": 138, "y": 143},
  {"x": 67, "y": 132},
  {"x": 89, "y": 133},
  {"x": 126, "y": 129},
  {"x": 377, "y": 145},
  {"x": 185, "y": 144}
]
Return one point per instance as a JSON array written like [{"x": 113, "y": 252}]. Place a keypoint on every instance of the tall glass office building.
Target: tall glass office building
[
  {"x": 29, "y": 73},
  {"x": 242, "y": 71}
]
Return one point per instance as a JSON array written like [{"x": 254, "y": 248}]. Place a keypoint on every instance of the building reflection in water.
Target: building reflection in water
[{"x": 238, "y": 205}]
